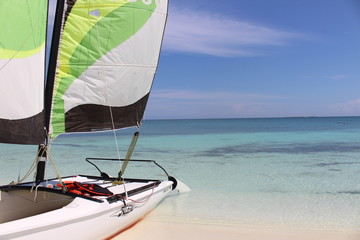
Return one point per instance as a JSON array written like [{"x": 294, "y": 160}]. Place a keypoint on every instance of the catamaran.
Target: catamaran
[{"x": 103, "y": 59}]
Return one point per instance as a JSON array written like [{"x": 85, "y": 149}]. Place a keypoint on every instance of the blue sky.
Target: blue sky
[{"x": 258, "y": 58}]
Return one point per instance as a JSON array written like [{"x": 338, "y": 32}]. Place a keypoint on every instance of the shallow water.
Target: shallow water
[{"x": 300, "y": 172}]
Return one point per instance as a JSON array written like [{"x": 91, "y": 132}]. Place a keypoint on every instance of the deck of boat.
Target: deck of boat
[{"x": 26, "y": 199}]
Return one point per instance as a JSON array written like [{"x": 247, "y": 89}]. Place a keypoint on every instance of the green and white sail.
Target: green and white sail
[
  {"x": 22, "y": 70},
  {"x": 107, "y": 59}
]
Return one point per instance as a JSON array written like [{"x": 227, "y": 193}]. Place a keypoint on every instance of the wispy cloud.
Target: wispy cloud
[
  {"x": 337, "y": 77},
  {"x": 207, "y": 95},
  {"x": 211, "y": 34},
  {"x": 349, "y": 108},
  {"x": 208, "y": 104}
]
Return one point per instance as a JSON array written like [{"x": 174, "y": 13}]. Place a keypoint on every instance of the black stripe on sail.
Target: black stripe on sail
[
  {"x": 23, "y": 131},
  {"x": 92, "y": 117}
]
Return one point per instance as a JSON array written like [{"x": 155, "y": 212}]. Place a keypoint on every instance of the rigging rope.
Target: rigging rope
[
  {"x": 48, "y": 153},
  {"x": 147, "y": 199},
  {"x": 34, "y": 164},
  {"x": 31, "y": 169},
  {"x": 108, "y": 102}
]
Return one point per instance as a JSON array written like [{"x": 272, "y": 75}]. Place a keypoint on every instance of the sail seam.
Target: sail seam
[
  {"x": 79, "y": 6},
  {"x": 31, "y": 23},
  {"x": 111, "y": 65},
  {"x": 16, "y": 52}
]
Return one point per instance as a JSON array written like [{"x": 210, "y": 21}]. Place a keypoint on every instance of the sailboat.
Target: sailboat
[{"x": 103, "y": 59}]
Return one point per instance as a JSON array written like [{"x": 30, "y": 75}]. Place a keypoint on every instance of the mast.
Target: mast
[{"x": 50, "y": 79}]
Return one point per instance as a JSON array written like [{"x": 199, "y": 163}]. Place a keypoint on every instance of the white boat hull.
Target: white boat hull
[{"x": 86, "y": 219}]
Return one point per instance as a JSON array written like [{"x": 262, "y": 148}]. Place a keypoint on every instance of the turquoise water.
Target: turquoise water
[{"x": 297, "y": 172}]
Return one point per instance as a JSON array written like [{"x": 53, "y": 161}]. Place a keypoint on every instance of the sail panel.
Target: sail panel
[
  {"x": 23, "y": 131},
  {"x": 98, "y": 117},
  {"x": 107, "y": 62},
  {"x": 22, "y": 71},
  {"x": 22, "y": 28}
]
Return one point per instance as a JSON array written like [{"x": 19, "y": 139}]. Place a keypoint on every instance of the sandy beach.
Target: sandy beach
[{"x": 160, "y": 230}]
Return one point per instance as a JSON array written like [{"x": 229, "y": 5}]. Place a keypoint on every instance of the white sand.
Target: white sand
[{"x": 150, "y": 229}]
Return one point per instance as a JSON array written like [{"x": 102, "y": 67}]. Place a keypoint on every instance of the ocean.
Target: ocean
[{"x": 291, "y": 172}]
